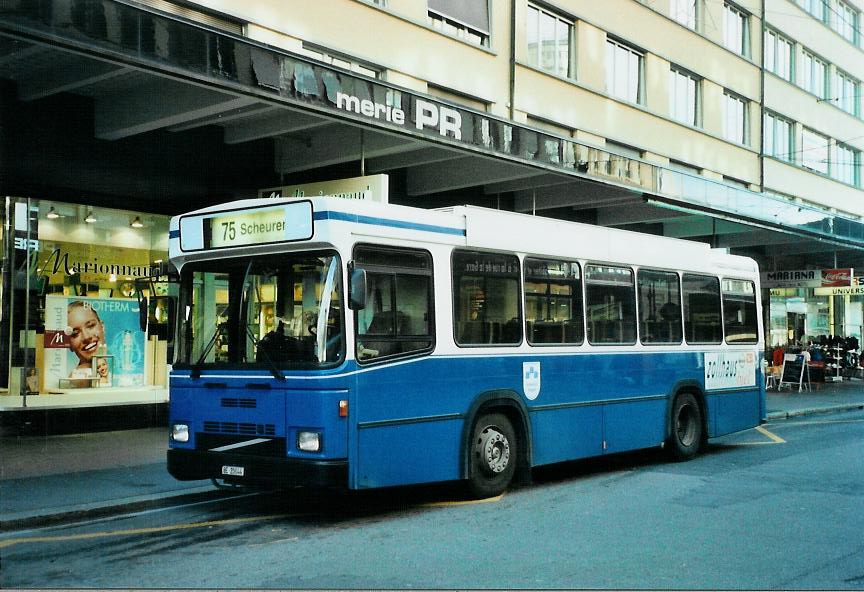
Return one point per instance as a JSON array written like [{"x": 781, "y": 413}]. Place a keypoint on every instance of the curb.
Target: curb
[
  {"x": 813, "y": 411},
  {"x": 25, "y": 520}
]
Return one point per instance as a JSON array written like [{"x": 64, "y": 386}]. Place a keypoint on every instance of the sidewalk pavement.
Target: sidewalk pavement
[{"x": 55, "y": 479}]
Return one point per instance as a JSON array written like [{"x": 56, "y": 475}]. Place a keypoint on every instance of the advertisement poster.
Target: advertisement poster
[
  {"x": 94, "y": 342},
  {"x": 733, "y": 369}
]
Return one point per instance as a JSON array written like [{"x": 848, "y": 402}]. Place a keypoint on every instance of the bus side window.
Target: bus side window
[
  {"x": 396, "y": 320},
  {"x": 486, "y": 303},
  {"x": 740, "y": 322},
  {"x": 553, "y": 302},
  {"x": 659, "y": 307},
  {"x": 702, "y": 323},
  {"x": 610, "y": 304}
]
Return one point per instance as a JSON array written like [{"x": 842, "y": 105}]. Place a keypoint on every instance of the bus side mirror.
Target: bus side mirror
[{"x": 357, "y": 289}]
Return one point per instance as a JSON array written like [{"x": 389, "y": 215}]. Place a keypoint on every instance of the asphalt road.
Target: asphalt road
[{"x": 779, "y": 507}]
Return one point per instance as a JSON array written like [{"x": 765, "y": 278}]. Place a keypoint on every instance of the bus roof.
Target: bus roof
[{"x": 341, "y": 222}]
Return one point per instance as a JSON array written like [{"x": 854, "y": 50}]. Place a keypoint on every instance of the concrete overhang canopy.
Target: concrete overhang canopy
[{"x": 129, "y": 59}]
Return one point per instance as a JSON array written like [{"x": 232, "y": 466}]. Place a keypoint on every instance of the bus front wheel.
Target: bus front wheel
[
  {"x": 492, "y": 456},
  {"x": 685, "y": 436}
]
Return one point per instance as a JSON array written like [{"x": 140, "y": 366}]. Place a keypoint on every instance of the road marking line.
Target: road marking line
[
  {"x": 774, "y": 437},
  {"x": 822, "y": 422},
  {"x": 136, "y": 531},
  {"x": 488, "y": 500}
]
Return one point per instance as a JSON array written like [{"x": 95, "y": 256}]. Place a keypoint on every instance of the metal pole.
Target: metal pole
[
  {"x": 26, "y": 305},
  {"x": 362, "y": 154}
]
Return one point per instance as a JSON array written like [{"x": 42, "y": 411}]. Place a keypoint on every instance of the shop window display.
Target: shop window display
[{"x": 76, "y": 287}]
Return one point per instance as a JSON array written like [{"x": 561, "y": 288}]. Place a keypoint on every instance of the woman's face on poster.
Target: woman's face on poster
[{"x": 88, "y": 333}]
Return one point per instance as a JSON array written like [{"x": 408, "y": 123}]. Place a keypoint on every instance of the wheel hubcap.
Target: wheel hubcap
[
  {"x": 494, "y": 449},
  {"x": 686, "y": 425}
]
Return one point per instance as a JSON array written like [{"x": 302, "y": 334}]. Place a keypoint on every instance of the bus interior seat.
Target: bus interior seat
[
  {"x": 471, "y": 332},
  {"x": 511, "y": 331}
]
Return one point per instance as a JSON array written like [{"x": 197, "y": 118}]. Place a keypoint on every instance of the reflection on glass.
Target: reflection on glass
[{"x": 272, "y": 311}]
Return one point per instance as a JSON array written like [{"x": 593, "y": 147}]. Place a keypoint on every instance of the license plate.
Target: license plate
[{"x": 232, "y": 471}]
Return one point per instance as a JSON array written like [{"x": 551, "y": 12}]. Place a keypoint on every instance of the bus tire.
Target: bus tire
[
  {"x": 685, "y": 433},
  {"x": 492, "y": 456}
]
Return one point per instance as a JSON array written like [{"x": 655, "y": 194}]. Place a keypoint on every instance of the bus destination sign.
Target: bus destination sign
[{"x": 251, "y": 226}]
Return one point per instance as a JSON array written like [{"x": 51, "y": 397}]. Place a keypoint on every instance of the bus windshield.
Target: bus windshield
[{"x": 273, "y": 311}]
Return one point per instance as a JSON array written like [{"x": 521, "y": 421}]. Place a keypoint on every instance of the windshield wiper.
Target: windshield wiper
[
  {"x": 271, "y": 365},
  {"x": 196, "y": 367}
]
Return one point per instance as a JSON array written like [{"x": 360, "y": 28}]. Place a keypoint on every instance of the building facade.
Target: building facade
[{"x": 736, "y": 123}]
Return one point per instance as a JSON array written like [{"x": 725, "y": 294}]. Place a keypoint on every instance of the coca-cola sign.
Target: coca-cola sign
[{"x": 836, "y": 277}]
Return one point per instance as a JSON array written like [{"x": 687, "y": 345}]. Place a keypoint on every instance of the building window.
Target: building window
[
  {"x": 623, "y": 71},
  {"x": 778, "y": 55},
  {"x": 814, "y": 74},
  {"x": 778, "y": 137},
  {"x": 466, "y": 19},
  {"x": 683, "y": 97},
  {"x": 846, "y": 91},
  {"x": 736, "y": 36},
  {"x": 686, "y": 12},
  {"x": 846, "y": 22},
  {"x": 735, "y": 121},
  {"x": 814, "y": 151},
  {"x": 84, "y": 261},
  {"x": 341, "y": 61},
  {"x": 549, "y": 41},
  {"x": 846, "y": 164},
  {"x": 817, "y": 8}
]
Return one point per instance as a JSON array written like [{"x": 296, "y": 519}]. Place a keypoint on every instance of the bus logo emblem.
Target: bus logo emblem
[{"x": 531, "y": 379}]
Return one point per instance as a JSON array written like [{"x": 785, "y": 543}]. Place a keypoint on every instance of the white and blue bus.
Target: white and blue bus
[{"x": 352, "y": 344}]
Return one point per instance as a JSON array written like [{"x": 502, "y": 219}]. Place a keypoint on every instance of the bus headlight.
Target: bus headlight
[
  {"x": 180, "y": 432},
  {"x": 309, "y": 441}
]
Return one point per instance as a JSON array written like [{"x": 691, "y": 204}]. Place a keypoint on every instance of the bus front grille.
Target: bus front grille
[
  {"x": 242, "y": 403},
  {"x": 243, "y": 429},
  {"x": 238, "y": 444}
]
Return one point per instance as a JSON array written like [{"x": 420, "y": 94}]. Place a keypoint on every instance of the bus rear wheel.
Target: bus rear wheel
[
  {"x": 492, "y": 456},
  {"x": 685, "y": 436}
]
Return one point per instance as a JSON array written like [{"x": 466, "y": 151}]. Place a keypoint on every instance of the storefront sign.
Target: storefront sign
[
  {"x": 58, "y": 261},
  {"x": 725, "y": 370},
  {"x": 840, "y": 291},
  {"x": 837, "y": 277},
  {"x": 369, "y": 188},
  {"x": 23, "y": 244},
  {"x": 807, "y": 278},
  {"x": 251, "y": 226}
]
